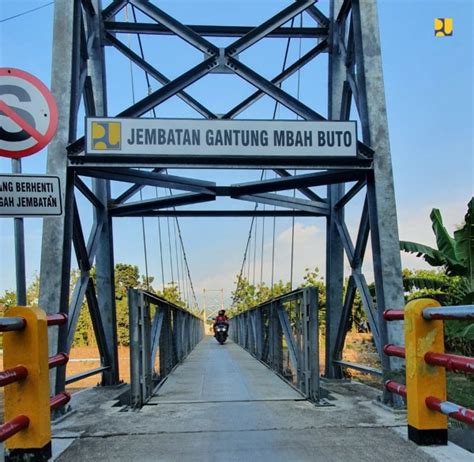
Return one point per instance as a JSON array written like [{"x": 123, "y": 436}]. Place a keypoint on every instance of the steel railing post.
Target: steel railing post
[{"x": 135, "y": 360}]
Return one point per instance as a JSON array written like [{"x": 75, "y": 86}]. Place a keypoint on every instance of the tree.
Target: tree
[
  {"x": 455, "y": 254},
  {"x": 8, "y": 299},
  {"x": 247, "y": 295},
  {"x": 172, "y": 294},
  {"x": 453, "y": 286}
]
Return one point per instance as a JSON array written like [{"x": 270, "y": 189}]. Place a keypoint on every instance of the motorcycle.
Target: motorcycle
[{"x": 221, "y": 333}]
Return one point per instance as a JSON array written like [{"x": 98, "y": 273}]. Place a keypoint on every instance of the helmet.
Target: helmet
[{"x": 221, "y": 312}]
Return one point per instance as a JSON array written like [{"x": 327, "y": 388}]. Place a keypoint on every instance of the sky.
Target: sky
[{"x": 429, "y": 93}]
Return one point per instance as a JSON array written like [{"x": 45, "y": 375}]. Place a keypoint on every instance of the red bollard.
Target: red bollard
[{"x": 14, "y": 426}]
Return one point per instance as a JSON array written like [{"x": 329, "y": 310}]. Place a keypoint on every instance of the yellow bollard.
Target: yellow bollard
[
  {"x": 30, "y": 397},
  {"x": 425, "y": 427}
]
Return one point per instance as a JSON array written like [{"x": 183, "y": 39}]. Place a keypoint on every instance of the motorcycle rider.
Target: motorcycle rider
[{"x": 221, "y": 318}]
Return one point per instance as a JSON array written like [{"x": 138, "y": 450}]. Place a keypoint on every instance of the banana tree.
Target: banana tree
[{"x": 455, "y": 254}]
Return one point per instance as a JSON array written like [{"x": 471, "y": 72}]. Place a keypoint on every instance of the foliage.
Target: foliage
[
  {"x": 448, "y": 291},
  {"x": 126, "y": 276},
  {"x": 8, "y": 299},
  {"x": 172, "y": 294},
  {"x": 247, "y": 295},
  {"x": 454, "y": 285},
  {"x": 455, "y": 254}
]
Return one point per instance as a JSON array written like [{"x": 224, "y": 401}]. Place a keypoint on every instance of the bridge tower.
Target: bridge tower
[{"x": 345, "y": 34}]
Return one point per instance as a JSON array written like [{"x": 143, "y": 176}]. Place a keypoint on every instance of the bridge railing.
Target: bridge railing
[
  {"x": 26, "y": 431},
  {"x": 426, "y": 365},
  {"x": 283, "y": 334},
  {"x": 161, "y": 336}
]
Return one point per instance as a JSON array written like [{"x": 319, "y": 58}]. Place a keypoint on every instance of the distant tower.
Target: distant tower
[{"x": 348, "y": 35}]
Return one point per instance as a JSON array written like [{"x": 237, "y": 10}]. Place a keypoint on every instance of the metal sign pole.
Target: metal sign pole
[{"x": 19, "y": 233}]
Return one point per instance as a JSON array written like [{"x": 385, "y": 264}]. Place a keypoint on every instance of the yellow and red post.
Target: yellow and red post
[
  {"x": 27, "y": 399},
  {"x": 425, "y": 425}
]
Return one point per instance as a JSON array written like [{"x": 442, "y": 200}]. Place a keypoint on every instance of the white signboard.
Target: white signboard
[
  {"x": 29, "y": 195},
  {"x": 220, "y": 137}
]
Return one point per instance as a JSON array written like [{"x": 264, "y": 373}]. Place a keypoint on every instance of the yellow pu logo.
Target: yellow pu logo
[
  {"x": 106, "y": 136},
  {"x": 443, "y": 27}
]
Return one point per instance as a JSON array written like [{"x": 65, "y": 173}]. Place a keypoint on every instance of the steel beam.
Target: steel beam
[
  {"x": 334, "y": 243},
  {"x": 150, "y": 179},
  {"x": 369, "y": 308},
  {"x": 77, "y": 299},
  {"x": 305, "y": 191},
  {"x": 316, "y": 208},
  {"x": 296, "y": 181},
  {"x": 345, "y": 240},
  {"x": 268, "y": 26},
  {"x": 105, "y": 281},
  {"x": 273, "y": 90},
  {"x": 224, "y": 213},
  {"x": 130, "y": 192},
  {"x": 77, "y": 162},
  {"x": 57, "y": 231},
  {"x": 382, "y": 207},
  {"x": 170, "y": 89},
  {"x": 350, "y": 194},
  {"x": 214, "y": 31},
  {"x": 318, "y": 15},
  {"x": 87, "y": 193},
  {"x": 285, "y": 74},
  {"x": 342, "y": 328},
  {"x": 162, "y": 202},
  {"x": 79, "y": 242},
  {"x": 362, "y": 237},
  {"x": 98, "y": 326},
  {"x": 149, "y": 69},
  {"x": 176, "y": 27},
  {"x": 113, "y": 8}
]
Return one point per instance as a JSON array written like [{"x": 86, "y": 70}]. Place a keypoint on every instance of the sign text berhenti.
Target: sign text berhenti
[
  {"x": 29, "y": 195},
  {"x": 220, "y": 137}
]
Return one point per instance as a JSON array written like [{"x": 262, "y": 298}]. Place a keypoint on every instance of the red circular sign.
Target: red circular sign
[{"x": 28, "y": 114}]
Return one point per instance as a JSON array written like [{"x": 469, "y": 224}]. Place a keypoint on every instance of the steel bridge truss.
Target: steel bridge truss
[
  {"x": 349, "y": 36},
  {"x": 161, "y": 336},
  {"x": 283, "y": 333}
]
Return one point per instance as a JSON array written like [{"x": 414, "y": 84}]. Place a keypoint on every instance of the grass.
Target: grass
[{"x": 460, "y": 389}]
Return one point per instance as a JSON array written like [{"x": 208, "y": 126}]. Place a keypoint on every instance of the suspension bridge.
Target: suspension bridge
[{"x": 270, "y": 392}]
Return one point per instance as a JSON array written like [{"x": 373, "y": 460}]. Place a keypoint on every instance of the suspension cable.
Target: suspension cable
[
  {"x": 159, "y": 222},
  {"x": 255, "y": 249},
  {"x": 263, "y": 239},
  {"x": 275, "y": 109},
  {"x": 147, "y": 77},
  {"x": 187, "y": 265},
  {"x": 145, "y": 252},
  {"x": 272, "y": 281},
  {"x": 240, "y": 277},
  {"x": 178, "y": 275},
  {"x": 184, "y": 252},
  {"x": 169, "y": 249},
  {"x": 298, "y": 84},
  {"x": 161, "y": 247}
]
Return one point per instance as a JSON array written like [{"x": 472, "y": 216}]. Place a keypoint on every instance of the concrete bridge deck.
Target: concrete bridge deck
[{"x": 223, "y": 405}]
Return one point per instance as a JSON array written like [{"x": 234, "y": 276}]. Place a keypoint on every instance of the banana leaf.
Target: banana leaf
[{"x": 434, "y": 257}]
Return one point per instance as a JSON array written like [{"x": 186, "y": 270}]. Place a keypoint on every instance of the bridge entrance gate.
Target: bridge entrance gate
[{"x": 343, "y": 32}]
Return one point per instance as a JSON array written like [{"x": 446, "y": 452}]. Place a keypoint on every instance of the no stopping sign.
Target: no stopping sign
[{"x": 28, "y": 114}]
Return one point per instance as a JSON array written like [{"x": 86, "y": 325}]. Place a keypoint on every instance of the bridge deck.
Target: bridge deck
[{"x": 222, "y": 404}]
